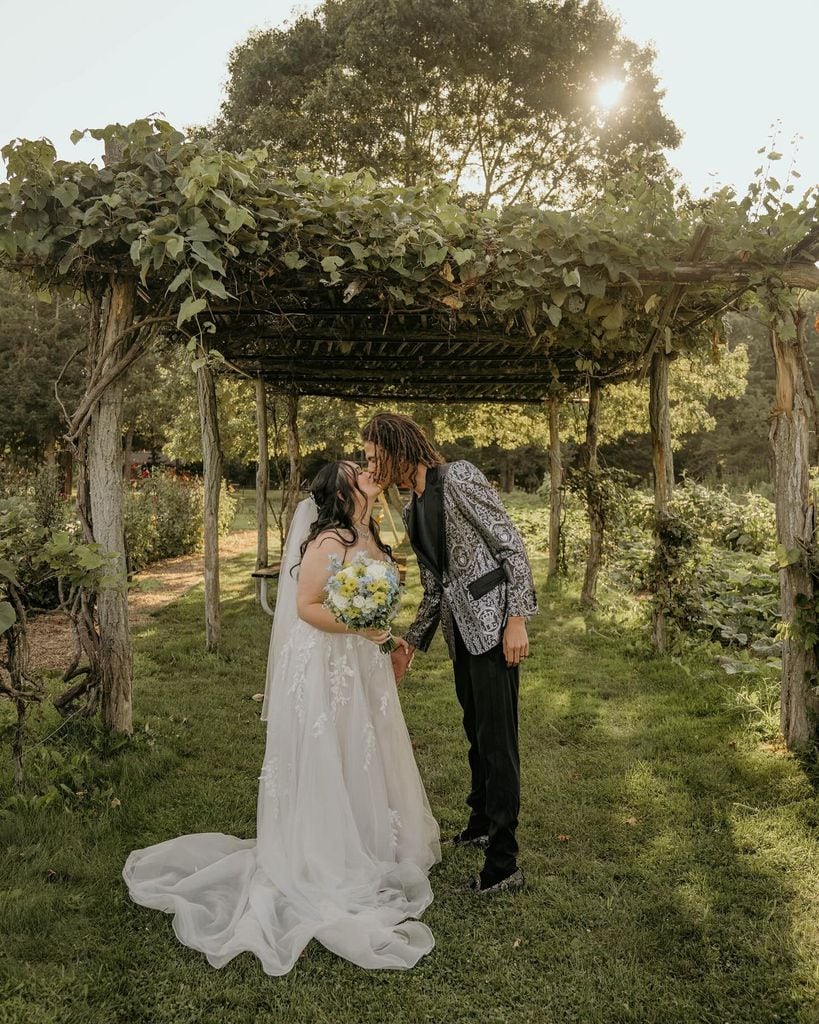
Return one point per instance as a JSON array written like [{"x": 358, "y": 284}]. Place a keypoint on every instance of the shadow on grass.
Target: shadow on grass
[{"x": 664, "y": 830}]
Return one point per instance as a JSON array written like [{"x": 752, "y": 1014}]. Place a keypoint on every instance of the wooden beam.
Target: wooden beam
[
  {"x": 660, "y": 426},
  {"x": 376, "y": 361},
  {"x": 212, "y": 473},
  {"x": 105, "y": 489},
  {"x": 793, "y": 275},
  {"x": 588, "y": 595},
  {"x": 490, "y": 398},
  {"x": 262, "y": 475},
  {"x": 555, "y": 487},
  {"x": 791, "y": 421},
  {"x": 294, "y": 454}
]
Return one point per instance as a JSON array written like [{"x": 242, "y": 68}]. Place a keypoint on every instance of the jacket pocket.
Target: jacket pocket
[{"x": 483, "y": 584}]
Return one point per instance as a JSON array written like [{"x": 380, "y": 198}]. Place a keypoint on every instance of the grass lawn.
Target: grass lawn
[{"x": 671, "y": 856}]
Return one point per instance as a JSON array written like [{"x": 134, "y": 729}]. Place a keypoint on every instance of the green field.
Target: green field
[{"x": 671, "y": 855}]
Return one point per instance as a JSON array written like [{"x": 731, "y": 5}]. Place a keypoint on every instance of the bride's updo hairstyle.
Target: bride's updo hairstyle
[{"x": 333, "y": 491}]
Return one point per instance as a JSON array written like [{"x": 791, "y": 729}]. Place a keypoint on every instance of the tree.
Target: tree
[
  {"x": 737, "y": 447},
  {"x": 36, "y": 340},
  {"x": 498, "y": 97}
]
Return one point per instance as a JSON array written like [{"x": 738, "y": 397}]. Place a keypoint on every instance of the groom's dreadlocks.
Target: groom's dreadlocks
[{"x": 399, "y": 443}]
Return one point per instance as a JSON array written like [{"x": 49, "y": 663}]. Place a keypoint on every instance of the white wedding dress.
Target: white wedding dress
[{"x": 345, "y": 834}]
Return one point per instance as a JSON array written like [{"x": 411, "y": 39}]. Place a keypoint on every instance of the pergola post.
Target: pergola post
[
  {"x": 593, "y": 499},
  {"x": 555, "y": 487},
  {"x": 294, "y": 455},
  {"x": 103, "y": 502},
  {"x": 792, "y": 418},
  {"x": 262, "y": 478},
  {"x": 212, "y": 473},
  {"x": 663, "y": 467}
]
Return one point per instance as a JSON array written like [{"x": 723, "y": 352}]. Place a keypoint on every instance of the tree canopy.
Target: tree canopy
[{"x": 497, "y": 97}]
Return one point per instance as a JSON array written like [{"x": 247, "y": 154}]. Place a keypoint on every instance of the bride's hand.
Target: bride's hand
[{"x": 378, "y": 636}]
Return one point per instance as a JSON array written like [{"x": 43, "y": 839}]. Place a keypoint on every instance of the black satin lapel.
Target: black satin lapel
[
  {"x": 411, "y": 521},
  {"x": 413, "y": 536},
  {"x": 434, "y": 497}
]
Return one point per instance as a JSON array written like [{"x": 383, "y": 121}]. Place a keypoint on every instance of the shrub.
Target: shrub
[
  {"x": 748, "y": 524},
  {"x": 530, "y": 514},
  {"x": 163, "y": 517}
]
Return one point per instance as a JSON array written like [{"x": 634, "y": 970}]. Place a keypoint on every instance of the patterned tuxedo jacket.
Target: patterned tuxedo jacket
[{"x": 486, "y": 574}]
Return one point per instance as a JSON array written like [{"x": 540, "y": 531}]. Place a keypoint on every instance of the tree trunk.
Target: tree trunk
[
  {"x": 17, "y": 682},
  {"x": 105, "y": 509},
  {"x": 294, "y": 454},
  {"x": 663, "y": 468},
  {"x": 50, "y": 454},
  {"x": 789, "y": 436},
  {"x": 262, "y": 479},
  {"x": 593, "y": 500},
  {"x": 66, "y": 471},
  {"x": 212, "y": 473},
  {"x": 555, "y": 487}
]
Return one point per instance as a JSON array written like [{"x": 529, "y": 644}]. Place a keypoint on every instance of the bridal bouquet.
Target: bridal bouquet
[{"x": 364, "y": 594}]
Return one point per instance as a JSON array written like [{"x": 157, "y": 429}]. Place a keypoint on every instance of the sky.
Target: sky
[{"x": 730, "y": 68}]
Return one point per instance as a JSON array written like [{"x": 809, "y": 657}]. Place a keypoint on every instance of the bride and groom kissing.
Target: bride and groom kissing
[{"x": 345, "y": 834}]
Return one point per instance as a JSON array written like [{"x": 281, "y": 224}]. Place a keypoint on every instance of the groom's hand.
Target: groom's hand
[
  {"x": 402, "y": 658},
  {"x": 515, "y": 640}
]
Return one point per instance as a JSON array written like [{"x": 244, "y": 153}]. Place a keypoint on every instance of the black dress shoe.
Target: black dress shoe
[
  {"x": 469, "y": 838},
  {"x": 511, "y": 883}
]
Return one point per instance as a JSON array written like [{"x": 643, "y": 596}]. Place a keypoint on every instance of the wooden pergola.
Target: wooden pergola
[{"x": 345, "y": 288}]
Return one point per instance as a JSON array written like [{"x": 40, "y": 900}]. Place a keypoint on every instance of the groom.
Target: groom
[{"x": 478, "y": 584}]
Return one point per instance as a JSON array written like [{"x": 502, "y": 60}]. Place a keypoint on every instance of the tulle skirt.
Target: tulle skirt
[{"x": 345, "y": 834}]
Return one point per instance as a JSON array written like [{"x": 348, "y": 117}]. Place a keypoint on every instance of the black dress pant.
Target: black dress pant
[{"x": 487, "y": 690}]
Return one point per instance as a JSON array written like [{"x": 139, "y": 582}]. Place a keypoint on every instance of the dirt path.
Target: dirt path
[{"x": 158, "y": 585}]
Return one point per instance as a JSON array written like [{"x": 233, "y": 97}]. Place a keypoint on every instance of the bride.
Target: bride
[{"x": 345, "y": 835}]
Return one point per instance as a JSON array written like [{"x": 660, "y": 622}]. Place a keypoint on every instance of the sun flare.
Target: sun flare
[{"x": 609, "y": 93}]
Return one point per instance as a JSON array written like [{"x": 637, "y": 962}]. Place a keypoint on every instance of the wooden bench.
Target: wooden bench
[{"x": 265, "y": 574}]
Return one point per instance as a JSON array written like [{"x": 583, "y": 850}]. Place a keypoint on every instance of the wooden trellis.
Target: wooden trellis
[{"x": 341, "y": 287}]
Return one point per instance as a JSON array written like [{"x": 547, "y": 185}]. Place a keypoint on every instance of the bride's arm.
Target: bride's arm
[{"x": 314, "y": 572}]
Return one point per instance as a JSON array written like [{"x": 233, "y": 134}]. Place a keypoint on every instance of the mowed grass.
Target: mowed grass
[{"x": 672, "y": 863}]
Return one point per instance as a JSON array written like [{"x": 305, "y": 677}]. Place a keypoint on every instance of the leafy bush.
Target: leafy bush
[
  {"x": 32, "y": 556},
  {"x": 722, "y": 584},
  {"x": 530, "y": 514},
  {"x": 79, "y": 771},
  {"x": 745, "y": 525},
  {"x": 739, "y": 600},
  {"x": 163, "y": 517},
  {"x": 36, "y": 499},
  {"x": 719, "y": 551}
]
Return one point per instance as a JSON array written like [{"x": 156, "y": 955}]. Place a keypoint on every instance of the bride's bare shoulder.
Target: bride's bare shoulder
[{"x": 327, "y": 542}]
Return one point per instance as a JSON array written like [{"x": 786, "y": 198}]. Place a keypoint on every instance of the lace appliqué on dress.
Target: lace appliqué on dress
[
  {"x": 341, "y": 673},
  {"x": 299, "y": 669},
  {"x": 395, "y": 827},
  {"x": 269, "y": 778},
  {"x": 369, "y": 745}
]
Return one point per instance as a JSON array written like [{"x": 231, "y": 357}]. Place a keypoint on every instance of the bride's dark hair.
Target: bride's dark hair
[{"x": 334, "y": 491}]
